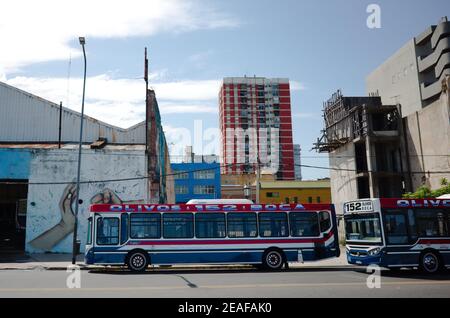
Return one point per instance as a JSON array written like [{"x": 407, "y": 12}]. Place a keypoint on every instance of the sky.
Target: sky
[{"x": 321, "y": 46}]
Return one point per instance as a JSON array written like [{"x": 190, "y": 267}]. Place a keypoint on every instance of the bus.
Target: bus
[
  {"x": 396, "y": 233},
  {"x": 265, "y": 235}
]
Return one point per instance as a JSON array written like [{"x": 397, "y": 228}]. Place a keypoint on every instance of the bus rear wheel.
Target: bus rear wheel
[
  {"x": 430, "y": 262},
  {"x": 273, "y": 259},
  {"x": 137, "y": 261}
]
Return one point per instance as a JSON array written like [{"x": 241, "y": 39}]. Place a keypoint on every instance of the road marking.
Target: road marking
[{"x": 106, "y": 289}]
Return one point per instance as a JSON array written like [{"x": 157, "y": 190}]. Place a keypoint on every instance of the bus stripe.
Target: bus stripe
[{"x": 231, "y": 242}]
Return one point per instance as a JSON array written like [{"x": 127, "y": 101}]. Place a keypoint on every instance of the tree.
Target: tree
[{"x": 425, "y": 192}]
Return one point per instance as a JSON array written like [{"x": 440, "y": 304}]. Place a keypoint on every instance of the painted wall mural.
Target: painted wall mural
[
  {"x": 47, "y": 240},
  {"x": 51, "y": 217}
]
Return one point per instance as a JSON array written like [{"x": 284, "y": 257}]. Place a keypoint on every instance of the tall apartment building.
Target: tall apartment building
[
  {"x": 256, "y": 124},
  {"x": 298, "y": 162}
]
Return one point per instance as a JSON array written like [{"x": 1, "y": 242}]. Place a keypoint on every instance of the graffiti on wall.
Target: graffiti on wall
[{"x": 51, "y": 237}]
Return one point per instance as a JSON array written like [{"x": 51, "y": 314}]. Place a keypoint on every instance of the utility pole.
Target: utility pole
[
  {"x": 258, "y": 178},
  {"x": 146, "y": 98},
  {"x": 75, "y": 243}
]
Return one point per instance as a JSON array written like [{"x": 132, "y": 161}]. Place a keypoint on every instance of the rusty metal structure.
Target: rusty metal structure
[{"x": 348, "y": 119}]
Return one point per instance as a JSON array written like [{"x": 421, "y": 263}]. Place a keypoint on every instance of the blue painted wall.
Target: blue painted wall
[
  {"x": 15, "y": 163},
  {"x": 191, "y": 182}
]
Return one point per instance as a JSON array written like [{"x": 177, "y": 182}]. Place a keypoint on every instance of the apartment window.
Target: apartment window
[
  {"x": 181, "y": 175},
  {"x": 310, "y": 200},
  {"x": 206, "y": 174},
  {"x": 273, "y": 194},
  {"x": 204, "y": 189},
  {"x": 181, "y": 189},
  {"x": 318, "y": 199}
]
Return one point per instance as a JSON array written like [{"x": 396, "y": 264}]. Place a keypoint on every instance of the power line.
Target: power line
[{"x": 208, "y": 169}]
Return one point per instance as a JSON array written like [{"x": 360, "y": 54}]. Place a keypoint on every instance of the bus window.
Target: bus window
[
  {"x": 412, "y": 226},
  {"x": 431, "y": 223},
  {"x": 89, "y": 232},
  {"x": 145, "y": 226},
  {"x": 273, "y": 225},
  {"x": 324, "y": 221},
  {"x": 210, "y": 225},
  {"x": 123, "y": 228},
  {"x": 178, "y": 225},
  {"x": 241, "y": 225},
  {"x": 304, "y": 224},
  {"x": 396, "y": 227},
  {"x": 108, "y": 231}
]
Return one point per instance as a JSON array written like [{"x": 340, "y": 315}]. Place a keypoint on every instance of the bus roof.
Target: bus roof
[
  {"x": 124, "y": 208},
  {"x": 220, "y": 201}
]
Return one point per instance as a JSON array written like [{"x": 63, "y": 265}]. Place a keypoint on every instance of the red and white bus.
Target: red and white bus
[
  {"x": 398, "y": 233},
  {"x": 271, "y": 235}
]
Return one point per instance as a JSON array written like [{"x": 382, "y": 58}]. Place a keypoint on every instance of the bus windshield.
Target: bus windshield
[{"x": 363, "y": 227}]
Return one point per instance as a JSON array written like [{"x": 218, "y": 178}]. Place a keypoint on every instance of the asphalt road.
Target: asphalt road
[{"x": 345, "y": 282}]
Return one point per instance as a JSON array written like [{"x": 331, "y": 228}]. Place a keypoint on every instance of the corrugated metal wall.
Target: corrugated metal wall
[{"x": 27, "y": 118}]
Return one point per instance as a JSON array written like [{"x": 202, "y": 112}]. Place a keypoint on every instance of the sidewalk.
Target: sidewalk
[{"x": 62, "y": 261}]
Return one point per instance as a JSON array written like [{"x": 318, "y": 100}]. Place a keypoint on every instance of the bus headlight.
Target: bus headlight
[{"x": 374, "y": 251}]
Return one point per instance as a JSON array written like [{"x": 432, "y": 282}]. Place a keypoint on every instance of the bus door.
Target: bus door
[
  {"x": 324, "y": 226},
  {"x": 400, "y": 232}
]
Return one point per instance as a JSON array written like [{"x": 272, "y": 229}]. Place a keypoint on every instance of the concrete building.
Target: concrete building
[
  {"x": 256, "y": 124},
  {"x": 298, "y": 162},
  {"x": 363, "y": 139},
  {"x": 311, "y": 191},
  {"x": 38, "y": 169},
  {"x": 417, "y": 77}
]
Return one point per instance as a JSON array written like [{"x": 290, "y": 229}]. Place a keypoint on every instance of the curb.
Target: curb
[{"x": 173, "y": 268}]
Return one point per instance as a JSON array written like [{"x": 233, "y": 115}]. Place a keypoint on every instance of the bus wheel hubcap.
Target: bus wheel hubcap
[
  {"x": 138, "y": 261},
  {"x": 273, "y": 259},
  {"x": 430, "y": 262}
]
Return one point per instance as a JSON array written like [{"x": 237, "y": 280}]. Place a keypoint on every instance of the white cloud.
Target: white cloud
[
  {"x": 297, "y": 86},
  {"x": 47, "y": 30},
  {"x": 188, "y": 90},
  {"x": 121, "y": 101}
]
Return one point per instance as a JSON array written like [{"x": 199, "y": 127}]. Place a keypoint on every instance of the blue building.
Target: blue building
[{"x": 196, "y": 181}]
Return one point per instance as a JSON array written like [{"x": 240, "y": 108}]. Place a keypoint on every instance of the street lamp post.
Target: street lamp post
[
  {"x": 75, "y": 245},
  {"x": 247, "y": 191}
]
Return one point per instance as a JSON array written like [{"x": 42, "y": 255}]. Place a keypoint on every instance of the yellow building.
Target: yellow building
[{"x": 316, "y": 191}]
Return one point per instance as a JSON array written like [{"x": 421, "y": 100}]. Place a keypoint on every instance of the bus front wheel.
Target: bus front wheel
[
  {"x": 430, "y": 262},
  {"x": 273, "y": 259},
  {"x": 137, "y": 261}
]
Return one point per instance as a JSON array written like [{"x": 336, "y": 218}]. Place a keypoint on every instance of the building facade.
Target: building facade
[
  {"x": 256, "y": 125},
  {"x": 364, "y": 141},
  {"x": 196, "y": 180},
  {"x": 417, "y": 77},
  {"x": 38, "y": 163},
  {"x": 298, "y": 162},
  {"x": 314, "y": 191}
]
